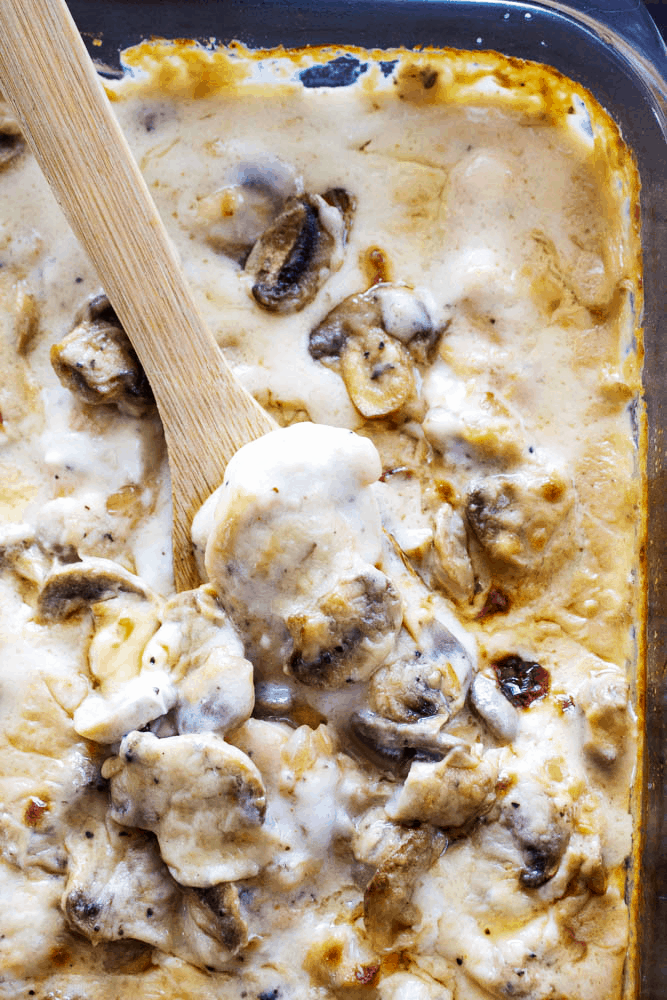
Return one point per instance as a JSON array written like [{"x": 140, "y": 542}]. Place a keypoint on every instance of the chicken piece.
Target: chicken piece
[
  {"x": 198, "y": 646},
  {"x": 193, "y": 626},
  {"x": 97, "y": 362},
  {"x": 518, "y": 519},
  {"x": 605, "y": 700},
  {"x": 217, "y": 697},
  {"x": 203, "y": 798},
  {"x": 388, "y": 908},
  {"x": 540, "y": 819},
  {"x": 451, "y": 564},
  {"x": 448, "y": 793},
  {"x": 106, "y": 718},
  {"x": 293, "y": 553},
  {"x": 118, "y": 887}
]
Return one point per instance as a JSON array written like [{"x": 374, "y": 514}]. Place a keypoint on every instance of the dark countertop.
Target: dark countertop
[{"x": 658, "y": 11}]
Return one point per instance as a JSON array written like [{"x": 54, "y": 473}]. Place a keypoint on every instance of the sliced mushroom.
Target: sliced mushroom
[
  {"x": 300, "y": 250},
  {"x": 216, "y": 697},
  {"x": 12, "y": 143},
  {"x": 497, "y": 712},
  {"x": 118, "y": 888},
  {"x": 426, "y": 736},
  {"x": 540, "y": 821},
  {"x": 203, "y": 798},
  {"x": 106, "y": 718},
  {"x": 407, "y": 690},
  {"x": 449, "y": 793},
  {"x": 349, "y": 632},
  {"x": 516, "y": 517},
  {"x": 432, "y": 631},
  {"x": 388, "y": 907},
  {"x": 378, "y": 374},
  {"x": 390, "y": 309},
  {"x": 97, "y": 362},
  {"x": 73, "y": 588},
  {"x": 234, "y": 216},
  {"x": 425, "y": 681}
]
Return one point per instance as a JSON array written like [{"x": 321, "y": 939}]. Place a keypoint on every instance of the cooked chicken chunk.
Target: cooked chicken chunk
[
  {"x": 604, "y": 698},
  {"x": 401, "y": 855},
  {"x": 203, "y": 798},
  {"x": 517, "y": 518},
  {"x": 199, "y": 648},
  {"x": 118, "y": 887},
  {"x": 448, "y": 793},
  {"x": 293, "y": 552}
]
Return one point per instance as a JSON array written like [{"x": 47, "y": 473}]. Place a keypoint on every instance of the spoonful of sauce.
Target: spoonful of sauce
[{"x": 58, "y": 98}]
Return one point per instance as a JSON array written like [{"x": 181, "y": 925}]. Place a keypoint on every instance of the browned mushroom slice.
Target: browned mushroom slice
[
  {"x": 97, "y": 362},
  {"x": 297, "y": 253},
  {"x": 384, "y": 309},
  {"x": 347, "y": 635},
  {"x": 377, "y": 373},
  {"x": 426, "y": 736},
  {"x": 12, "y": 143},
  {"x": 76, "y": 586},
  {"x": 388, "y": 907}
]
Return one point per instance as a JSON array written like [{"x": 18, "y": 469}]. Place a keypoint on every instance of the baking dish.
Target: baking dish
[{"x": 615, "y": 51}]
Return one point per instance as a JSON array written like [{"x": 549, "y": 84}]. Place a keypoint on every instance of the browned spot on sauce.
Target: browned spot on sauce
[
  {"x": 59, "y": 956},
  {"x": 445, "y": 490},
  {"x": 34, "y": 811},
  {"x": 375, "y": 265},
  {"x": 496, "y": 603},
  {"x": 366, "y": 974},
  {"x": 396, "y": 470},
  {"x": 553, "y": 491}
]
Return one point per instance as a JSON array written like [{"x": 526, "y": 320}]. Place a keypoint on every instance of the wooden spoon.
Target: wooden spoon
[{"x": 50, "y": 81}]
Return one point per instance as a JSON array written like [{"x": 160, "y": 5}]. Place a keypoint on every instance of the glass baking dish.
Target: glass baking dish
[{"x": 611, "y": 47}]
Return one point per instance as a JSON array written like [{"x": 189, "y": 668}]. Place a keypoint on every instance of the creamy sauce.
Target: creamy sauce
[{"x": 387, "y": 748}]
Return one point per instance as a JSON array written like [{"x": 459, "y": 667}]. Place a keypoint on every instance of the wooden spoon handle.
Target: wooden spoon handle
[{"x": 49, "y": 79}]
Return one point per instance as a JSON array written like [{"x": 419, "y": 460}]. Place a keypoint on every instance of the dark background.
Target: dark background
[{"x": 658, "y": 11}]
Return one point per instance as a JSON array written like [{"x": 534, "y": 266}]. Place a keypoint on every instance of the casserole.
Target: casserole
[{"x": 644, "y": 123}]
